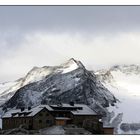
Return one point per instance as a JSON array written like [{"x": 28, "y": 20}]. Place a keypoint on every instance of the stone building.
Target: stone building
[
  {"x": 43, "y": 116},
  {"x": 35, "y": 118}
]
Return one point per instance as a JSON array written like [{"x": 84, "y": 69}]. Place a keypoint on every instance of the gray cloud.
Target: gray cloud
[
  {"x": 41, "y": 49},
  {"x": 99, "y": 36},
  {"x": 61, "y": 18}
]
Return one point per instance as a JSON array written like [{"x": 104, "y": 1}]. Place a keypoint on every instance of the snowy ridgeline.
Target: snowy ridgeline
[
  {"x": 124, "y": 83},
  {"x": 8, "y": 89}
]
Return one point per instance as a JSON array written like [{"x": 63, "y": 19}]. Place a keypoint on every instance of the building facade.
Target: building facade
[
  {"x": 43, "y": 116},
  {"x": 36, "y": 118}
]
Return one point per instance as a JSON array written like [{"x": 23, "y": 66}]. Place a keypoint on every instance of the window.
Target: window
[
  {"x": 40, "y": 114},
  {"x": 57, "y": 115},
  {"x": 6, "y": 121},
  {"x": 40, "y": 121},
  {"x": 47, "y": 114},
  {"x": 30, "y": 121},
  {"x": 64, "y": 115},
  {"x": 48, "y": 122}
]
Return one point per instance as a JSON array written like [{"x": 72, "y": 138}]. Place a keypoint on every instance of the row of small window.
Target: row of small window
[
  {"x": 15, "y": 121},
  {"x": 47, "y": 121},
  {"x": 61, "y": 115},
  {"x": 44, "y": 114}
]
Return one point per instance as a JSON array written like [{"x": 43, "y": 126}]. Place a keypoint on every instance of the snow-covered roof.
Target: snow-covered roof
[
  {"x": 64, "y": 105},
  {"x": 81, "y": 109},
  {"x": 28, "y": 113},
  {"x": 39, "y": 108},
  {"x": 84, "y": 111},
  {"x": 62, "y": 118},
  {"x": 76, "y": 109},
  {"x": 9, "y": 113}
]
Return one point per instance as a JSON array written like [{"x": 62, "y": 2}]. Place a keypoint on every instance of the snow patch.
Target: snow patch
[
  {"x": 70, "y": 68},
  {"x": 54, "y": 130},
  {"x": 6, "y": 86},
  {"x": 37, "y": 74},
  {"x": 125, "y": 87}
]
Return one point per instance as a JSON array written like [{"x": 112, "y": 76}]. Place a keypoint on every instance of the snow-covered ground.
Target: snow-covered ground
[
  {"x": 37, "y": 74},
  {"x": 54, "y": 130},
  {"x": 126, "y": 88},
  {"x": 5, "y": 86},
  {"x": 70, "y": 67}
]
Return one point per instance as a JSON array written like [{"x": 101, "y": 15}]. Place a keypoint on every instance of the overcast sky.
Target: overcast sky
[{"x": 99, "y": 36}]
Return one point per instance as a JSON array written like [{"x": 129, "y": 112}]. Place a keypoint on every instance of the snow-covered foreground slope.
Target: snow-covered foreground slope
[{"x": 124, "y": 83}]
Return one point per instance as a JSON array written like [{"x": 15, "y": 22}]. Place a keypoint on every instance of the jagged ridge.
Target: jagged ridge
[{"x": 70, "y": 81}]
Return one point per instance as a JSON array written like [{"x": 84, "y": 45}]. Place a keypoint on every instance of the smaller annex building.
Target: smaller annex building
[{"x": 43, "y": 116}]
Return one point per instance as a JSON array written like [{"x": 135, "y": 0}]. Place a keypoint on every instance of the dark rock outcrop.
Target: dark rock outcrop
[{"x": 78, "y": 85}]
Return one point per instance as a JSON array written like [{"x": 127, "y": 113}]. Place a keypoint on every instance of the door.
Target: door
[{"x": 60, "y": 122}]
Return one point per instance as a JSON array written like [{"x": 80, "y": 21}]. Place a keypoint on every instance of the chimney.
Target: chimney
[
  {"x": 71, "y": 103},
  {"x": 59, "y": 104},
  {"x": 22, "y": 109},
  {"x": 29, "y": 108}
]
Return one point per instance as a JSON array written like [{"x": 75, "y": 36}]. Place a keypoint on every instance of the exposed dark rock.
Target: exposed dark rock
[
  {"x": 79, "y": 85},
  {"x": 130, "y": 127}
]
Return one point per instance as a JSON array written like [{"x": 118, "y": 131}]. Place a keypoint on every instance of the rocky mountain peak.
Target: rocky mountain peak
[
  {"x": 126, "y": 68},
  {"x": 69, "y": 81},
  {"x": 73, "y": 62}
]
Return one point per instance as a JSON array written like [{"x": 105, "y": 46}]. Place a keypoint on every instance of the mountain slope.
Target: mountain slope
[
  {"x": 67, "y": 82},
  {"x": 4, "y": 87},
  {"x": 7, "y": 90},
  {"x": 124, "y": 83}
]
